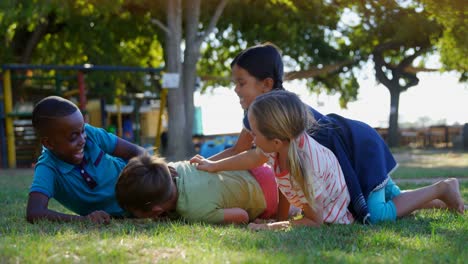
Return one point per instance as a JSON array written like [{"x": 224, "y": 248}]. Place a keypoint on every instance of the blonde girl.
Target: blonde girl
[{"x": 308, "y": 175}]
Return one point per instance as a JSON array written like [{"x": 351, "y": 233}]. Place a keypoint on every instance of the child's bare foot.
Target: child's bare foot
[
  {"x": 452, "y": 196},
  {"x": 439, "y": 204}
]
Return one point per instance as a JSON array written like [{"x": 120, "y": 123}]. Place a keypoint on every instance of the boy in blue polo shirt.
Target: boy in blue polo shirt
[{"x": 79, "y": 165}]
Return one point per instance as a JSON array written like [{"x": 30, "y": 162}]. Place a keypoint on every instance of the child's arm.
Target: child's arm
[
  {"x": 244, "y": 161},
  {"x": 235, "y": 216},
  {"x": 127, "y": 150},
  {"x": 283, "y": 207},
  {"x": 311, "y": 218},
  {"x": 37, "y": 209}
]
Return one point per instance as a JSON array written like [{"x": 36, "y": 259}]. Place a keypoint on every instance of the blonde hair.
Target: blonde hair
[{"x": 282, "y": 115}]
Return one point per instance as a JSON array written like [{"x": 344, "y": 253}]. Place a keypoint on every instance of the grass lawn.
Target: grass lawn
[
  {"x": 432, "y": 236},
  {"x": 431, "y": 164}
]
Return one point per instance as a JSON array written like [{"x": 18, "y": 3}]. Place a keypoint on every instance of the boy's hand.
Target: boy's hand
[
  {"x": 99, "y": 217},
  {"x": 203, "y": 164}
]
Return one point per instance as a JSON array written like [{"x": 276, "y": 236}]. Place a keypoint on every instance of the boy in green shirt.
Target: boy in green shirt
[{"x": 148, "y": 187}]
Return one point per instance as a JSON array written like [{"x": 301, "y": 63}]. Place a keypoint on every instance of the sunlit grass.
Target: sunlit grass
[
  {"x": 432, "y": 236},
  {"x": 432, "y": 159},
  {"x": 431, "y": 164}
]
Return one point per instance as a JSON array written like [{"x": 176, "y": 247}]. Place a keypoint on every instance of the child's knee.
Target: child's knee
[{"x": 391, "y": 190}]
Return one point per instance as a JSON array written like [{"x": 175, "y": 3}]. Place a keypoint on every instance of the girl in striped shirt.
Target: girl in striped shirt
[{"x": 308, "y": 174}]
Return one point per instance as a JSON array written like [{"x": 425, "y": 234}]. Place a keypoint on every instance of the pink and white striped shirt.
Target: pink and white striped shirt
[{"x": 323, "y": 173}]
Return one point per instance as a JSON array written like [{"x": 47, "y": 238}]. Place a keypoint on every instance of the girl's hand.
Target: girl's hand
[
  {"x": 196, "y": 159},
  {"x": 263, "y": 221},
  {"x": 99, "y": 217},
  {"x": 270, "y": 226},
  {"x": 203, "y": 164}
]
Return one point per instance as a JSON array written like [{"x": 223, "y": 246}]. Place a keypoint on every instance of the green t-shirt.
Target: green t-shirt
[{"x": 204, "y": 195}]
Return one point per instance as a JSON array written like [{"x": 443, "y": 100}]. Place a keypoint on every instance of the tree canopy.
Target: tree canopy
[
  {"x": 79, "y": 32},
  {"x": 453, "y": 16},
  {"x": 319, "y": 42}
]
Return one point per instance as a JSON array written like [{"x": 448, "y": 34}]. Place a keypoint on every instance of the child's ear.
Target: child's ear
[
  {"x": 268, "y": 84},
  {"x": 46, "y": 142},
  {"x": 278, "y": 143}
]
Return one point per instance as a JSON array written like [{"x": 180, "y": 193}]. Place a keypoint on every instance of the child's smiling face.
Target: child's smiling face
[
  {"x": 66, "y": 138},
  {"x": 247, "y": 87}
]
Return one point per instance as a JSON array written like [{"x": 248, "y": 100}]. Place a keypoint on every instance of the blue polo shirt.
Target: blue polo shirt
[{"x": 63, "y": 181}]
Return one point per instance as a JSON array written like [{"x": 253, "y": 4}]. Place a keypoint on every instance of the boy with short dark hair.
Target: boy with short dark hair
[{"x": 79, "y": 165}]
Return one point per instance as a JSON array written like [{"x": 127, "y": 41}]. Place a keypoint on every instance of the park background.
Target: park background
[
  {"x": 336, "y": 53},
  {"x": 422, "y": 106}
]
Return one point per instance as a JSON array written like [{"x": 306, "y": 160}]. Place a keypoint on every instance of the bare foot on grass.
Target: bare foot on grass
[{"x": 452, "y": 196}]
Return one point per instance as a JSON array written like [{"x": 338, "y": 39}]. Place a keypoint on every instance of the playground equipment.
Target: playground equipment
[
  {"x": 7, "y": 143},
  {"x": 214, "y": 146}
]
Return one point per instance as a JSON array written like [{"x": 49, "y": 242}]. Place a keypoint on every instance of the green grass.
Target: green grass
[
  {"x": 432, "y": 236},
  {"x": 431, "y": 164}
]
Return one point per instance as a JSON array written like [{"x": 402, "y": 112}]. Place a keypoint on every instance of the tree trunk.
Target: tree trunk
[
  {"x": 175, "y": 101},
  {"x": 393, "y": 134},
  {"x": 193, "y": 41},
  {"x": 399, "y": 81},
  {"x": 26, "y": 41},
  {"x": 180, "y": 101},
  {"x": 191, "y": 56}
]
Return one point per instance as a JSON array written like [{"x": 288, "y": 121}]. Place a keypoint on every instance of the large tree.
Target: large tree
[
  {"x": 307, "y": 33},
  {"x": 182, "y": 33},
  {"x": 201, "y": 38},
  {"x": 394, "y": 37},
  {"x": 106, "y": 32},
  {"x": 186, "y": 27}
]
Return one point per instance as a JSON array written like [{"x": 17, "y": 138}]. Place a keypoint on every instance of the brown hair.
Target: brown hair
[{"x": 145, "y": 181}]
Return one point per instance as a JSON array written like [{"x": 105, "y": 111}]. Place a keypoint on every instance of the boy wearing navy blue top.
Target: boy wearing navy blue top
[{"x": 79, "y": 165}]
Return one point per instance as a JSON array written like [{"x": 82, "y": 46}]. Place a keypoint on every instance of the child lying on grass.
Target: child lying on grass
[
  {"x": 79, "y": 165},
  {"x": 148, "y": 187}
]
